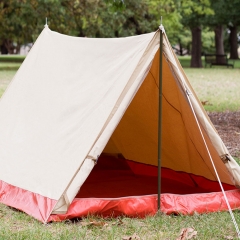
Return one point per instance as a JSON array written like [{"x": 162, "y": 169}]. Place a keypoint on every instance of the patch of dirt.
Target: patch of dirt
[{"x": 228, "y": 127}]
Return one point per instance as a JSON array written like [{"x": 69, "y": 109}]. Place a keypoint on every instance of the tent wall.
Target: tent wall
[
  {"x": 54, "y": 116},
  {"x": 74, "y": 97},
  {"x": 183, "y": 148},
  {"x": 231, "y": 165},
  {"x": 118, "y": 186}
]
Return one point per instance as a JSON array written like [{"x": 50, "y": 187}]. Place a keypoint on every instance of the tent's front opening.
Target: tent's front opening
[
  {"x": 117, "y": 186},
  {"x": 115, "y": 177}
]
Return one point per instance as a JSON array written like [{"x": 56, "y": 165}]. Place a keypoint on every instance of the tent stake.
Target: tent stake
[{"x": 160, "y": 116}]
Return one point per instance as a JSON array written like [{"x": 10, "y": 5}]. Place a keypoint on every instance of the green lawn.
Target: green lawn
[
  {"x": 9, "y": 65},
  {"x": 220, "y": 88},
  {"x": 10, "y": 62},
  {"x": 217, "y": 87},
  {"x": 215, "y": 226},
  {"x": 12, "y": 58},
  {"x": 16, "y": 60},
  {"x": 5, "y": 79},
  {"x": 185, "y": 62}
]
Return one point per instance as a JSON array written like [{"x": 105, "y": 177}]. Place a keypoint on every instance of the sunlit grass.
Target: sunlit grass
[
  {"x": 12, "y": 58},
  {"x": 214, "y": 226},
  {"x": 5, "y": 79},
  {"x": 186, "y": 61},
  {"x": 237, "y": 160},
  {"x": 9, "y": 66},
  {"x": 218, "y": 88}
]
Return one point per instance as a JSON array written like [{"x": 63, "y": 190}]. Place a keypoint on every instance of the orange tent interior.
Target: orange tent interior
[{"x": 128, "y": 165}]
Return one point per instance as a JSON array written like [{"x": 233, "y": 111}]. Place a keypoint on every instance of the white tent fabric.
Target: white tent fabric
[
  {"x": 66, "y": 101},
  {"x": 87, "y": 95}
]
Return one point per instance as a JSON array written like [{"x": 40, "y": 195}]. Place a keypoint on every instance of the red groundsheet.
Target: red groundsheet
[
  {"x": 122, "y": 187},
  {"x": 113, "y": 178},
  {"x": 34, "y": 204}
]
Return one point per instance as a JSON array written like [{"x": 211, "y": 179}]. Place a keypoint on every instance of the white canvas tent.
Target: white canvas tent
[{"x": 78, "y": 101}]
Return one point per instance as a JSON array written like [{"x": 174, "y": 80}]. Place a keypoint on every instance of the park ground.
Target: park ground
[{"x": 218, "y": 90}]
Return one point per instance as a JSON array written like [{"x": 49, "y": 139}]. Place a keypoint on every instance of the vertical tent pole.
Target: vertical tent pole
[{"x": 160, "y": 116}]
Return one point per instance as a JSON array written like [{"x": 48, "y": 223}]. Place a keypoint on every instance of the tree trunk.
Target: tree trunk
[
  {"x": 3, "y": 49},
  {"x": 219, "y": 45},
  {"x": 196, "y": 61},
  {"x": 219, "y": 40},
  {"x": 233, "y": 42},
  {"x": 9, "y": 46},
  {"x": 18, "y": 47},
  {"x": 180, "y": 47}
]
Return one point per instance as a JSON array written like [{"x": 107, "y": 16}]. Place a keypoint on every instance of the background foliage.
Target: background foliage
[{"x": 21, "y": 21}]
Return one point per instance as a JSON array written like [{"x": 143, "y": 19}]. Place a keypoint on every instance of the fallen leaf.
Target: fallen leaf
[
  {"x": 133, "y": 237},
  {"x": 206, "y": 103},
  {"x": 187, "y": 233},
  {"x": 237, "y": 132}
]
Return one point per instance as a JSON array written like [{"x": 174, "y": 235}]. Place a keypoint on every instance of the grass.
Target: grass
[
  {"x": 217, "y": 88},
  {"x": 9, "y": 65},
  {"x": 220, "y": 88},
  {"x": 10, "y": 62},
  {"x": 5, "y": 79},
  {"x": 14, "y": 61},
  {"x": 214, "y": 226},
  {"x": 186, "y": 60},
  {"x": 237, "y": 160},
  {"x": 12, "y": 58}
]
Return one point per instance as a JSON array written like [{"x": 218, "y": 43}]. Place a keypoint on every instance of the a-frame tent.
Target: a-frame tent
[{"x": 78, "y": 133}]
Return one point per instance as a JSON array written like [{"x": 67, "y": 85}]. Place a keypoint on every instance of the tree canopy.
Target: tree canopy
[{"x": 21, "y": 21}]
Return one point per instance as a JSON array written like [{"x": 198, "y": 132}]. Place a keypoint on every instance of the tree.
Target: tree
[
  {"x": 22, "y": 20},
  {"x": 84, "y": 16},
  {"x": 193, "y": 14},
  {"x": 12, "y": 26},
  {"x": 217, "y": 22},
  {"x": 232, "y": 17},
  {"x": 136, "y": 19},
  {"x": 171, "y": 17},
  {"x": 109, "y": 18}
]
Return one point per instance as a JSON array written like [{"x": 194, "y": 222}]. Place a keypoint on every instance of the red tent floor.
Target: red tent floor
[{"x": 123, "y": 187}]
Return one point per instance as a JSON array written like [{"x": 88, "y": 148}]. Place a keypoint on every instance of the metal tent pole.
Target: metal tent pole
[{"x": 160, "y": 115}]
